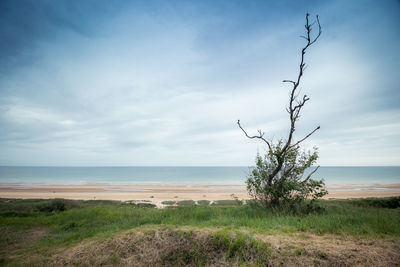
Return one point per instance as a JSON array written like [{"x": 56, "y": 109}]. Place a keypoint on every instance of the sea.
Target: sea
[{"x": 187, "y": 176}]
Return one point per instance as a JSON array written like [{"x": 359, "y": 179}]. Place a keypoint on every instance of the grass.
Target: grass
[
  {"x": 197, "y": 251},
  {"x": 90, "y": 217},
  {"x": 69, "y": 222},
  {"x": 168, "y": 202},
  {"x": 227, "y": 202}
]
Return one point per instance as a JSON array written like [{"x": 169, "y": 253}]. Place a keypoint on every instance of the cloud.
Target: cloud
[{"x": 164, "y": 83}]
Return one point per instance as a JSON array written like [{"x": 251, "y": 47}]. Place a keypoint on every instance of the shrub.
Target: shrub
[
  {"x": 55, "y": 205},
  {"x": 168, "y": 202},
  {"x": 288, "y": 186},
  {"x": 389, "y": 202},
  {"x": 186, "y": 203}
]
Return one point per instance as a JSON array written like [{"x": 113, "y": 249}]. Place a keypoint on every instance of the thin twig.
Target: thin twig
[
  {"x": 308, "y": 135},
  {"x": 260, "y": 136}
]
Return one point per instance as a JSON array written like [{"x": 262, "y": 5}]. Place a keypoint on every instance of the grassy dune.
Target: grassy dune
[{"x": 48, "y": 232}]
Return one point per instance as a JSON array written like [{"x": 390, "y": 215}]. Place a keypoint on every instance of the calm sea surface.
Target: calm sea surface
[{"x": 180, "y": 175}]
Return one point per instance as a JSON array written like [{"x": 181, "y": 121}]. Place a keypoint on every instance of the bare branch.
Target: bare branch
[
  {"x": 295, "y": 110},
  {"x": 309, "y": 176},
  {"x": 260, "y": 136},
  {"x": 299, "y": 105},
  {"x": 289, "y": 81},
  {"x": 319, "y": 31},
  {"x": 308, "y": 135}
]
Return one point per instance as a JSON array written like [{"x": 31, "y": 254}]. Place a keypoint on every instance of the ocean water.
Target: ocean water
[{"x": 333, "y": 176}]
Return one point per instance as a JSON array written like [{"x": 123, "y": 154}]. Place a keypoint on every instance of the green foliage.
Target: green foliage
[
  {"x": 70, "y": 226},
  {"x": 388, "y": 202},
  {"x": 186, "y": 203},
  {"x": 241, "y": 246},
  {"x": 168, "y": 202},
  {"x": 74, "y": 225},
  {"x": 145, "y": 205},
  {"x": 24, "y": 207},
  {"x": 191, "y": 249},
  {"x": 288, "y": 187},
  {"x": 55, "y": 205}
]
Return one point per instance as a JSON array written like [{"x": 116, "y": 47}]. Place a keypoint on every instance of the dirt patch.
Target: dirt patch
[{"x": 199, "y": 247}]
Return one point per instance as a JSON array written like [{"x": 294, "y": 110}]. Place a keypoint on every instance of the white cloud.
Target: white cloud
[{"x": 148, "y": 91}]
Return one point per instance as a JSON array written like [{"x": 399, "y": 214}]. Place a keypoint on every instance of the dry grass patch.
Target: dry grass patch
[
  {"x": 305, "y": 249},
  {"x": 166, "y": 247},
  {"x": 212, "y": 247}
]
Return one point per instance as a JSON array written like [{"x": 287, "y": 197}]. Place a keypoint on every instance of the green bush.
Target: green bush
[
  {"x": 186, "y": 203},
  {"x": 390, "y": 202},
  {"x": 288, "y": 187},
  {"x": 145, "y": 205},
  {"x": 55, "y": 205},
  {"x": 168, "y": 202}
]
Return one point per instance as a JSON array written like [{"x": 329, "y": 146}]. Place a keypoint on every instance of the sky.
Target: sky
[{"x": 162, "y": 83}]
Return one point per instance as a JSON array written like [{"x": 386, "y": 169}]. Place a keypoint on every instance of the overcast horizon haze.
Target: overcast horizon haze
[{"x": 163, "y": 83}]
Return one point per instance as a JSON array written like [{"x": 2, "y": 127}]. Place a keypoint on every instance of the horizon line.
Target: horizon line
[{"x": 174, "y": 166}]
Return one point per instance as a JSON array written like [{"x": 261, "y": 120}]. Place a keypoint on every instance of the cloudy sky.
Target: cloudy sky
[{"x": 163, "y": 82}]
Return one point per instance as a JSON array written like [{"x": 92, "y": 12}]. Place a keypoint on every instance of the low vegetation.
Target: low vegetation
[
  {"x": 391, "y": 202},
  {"x": 168, "y": 247},
  {"x": 203, "y": 202},
  {"x": 48, "y": 232}
]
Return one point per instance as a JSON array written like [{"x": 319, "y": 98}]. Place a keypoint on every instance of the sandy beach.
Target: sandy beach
[{"x": 157, "y": 194}]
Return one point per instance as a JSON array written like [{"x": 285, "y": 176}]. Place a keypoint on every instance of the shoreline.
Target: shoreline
[{"x": 156, "y": 193}]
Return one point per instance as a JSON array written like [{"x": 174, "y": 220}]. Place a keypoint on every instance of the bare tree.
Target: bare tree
[{"x": 296, "y": 103}]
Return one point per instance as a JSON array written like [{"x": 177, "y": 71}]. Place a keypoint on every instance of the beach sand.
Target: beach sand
[{"x": 157, "y": 194}]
